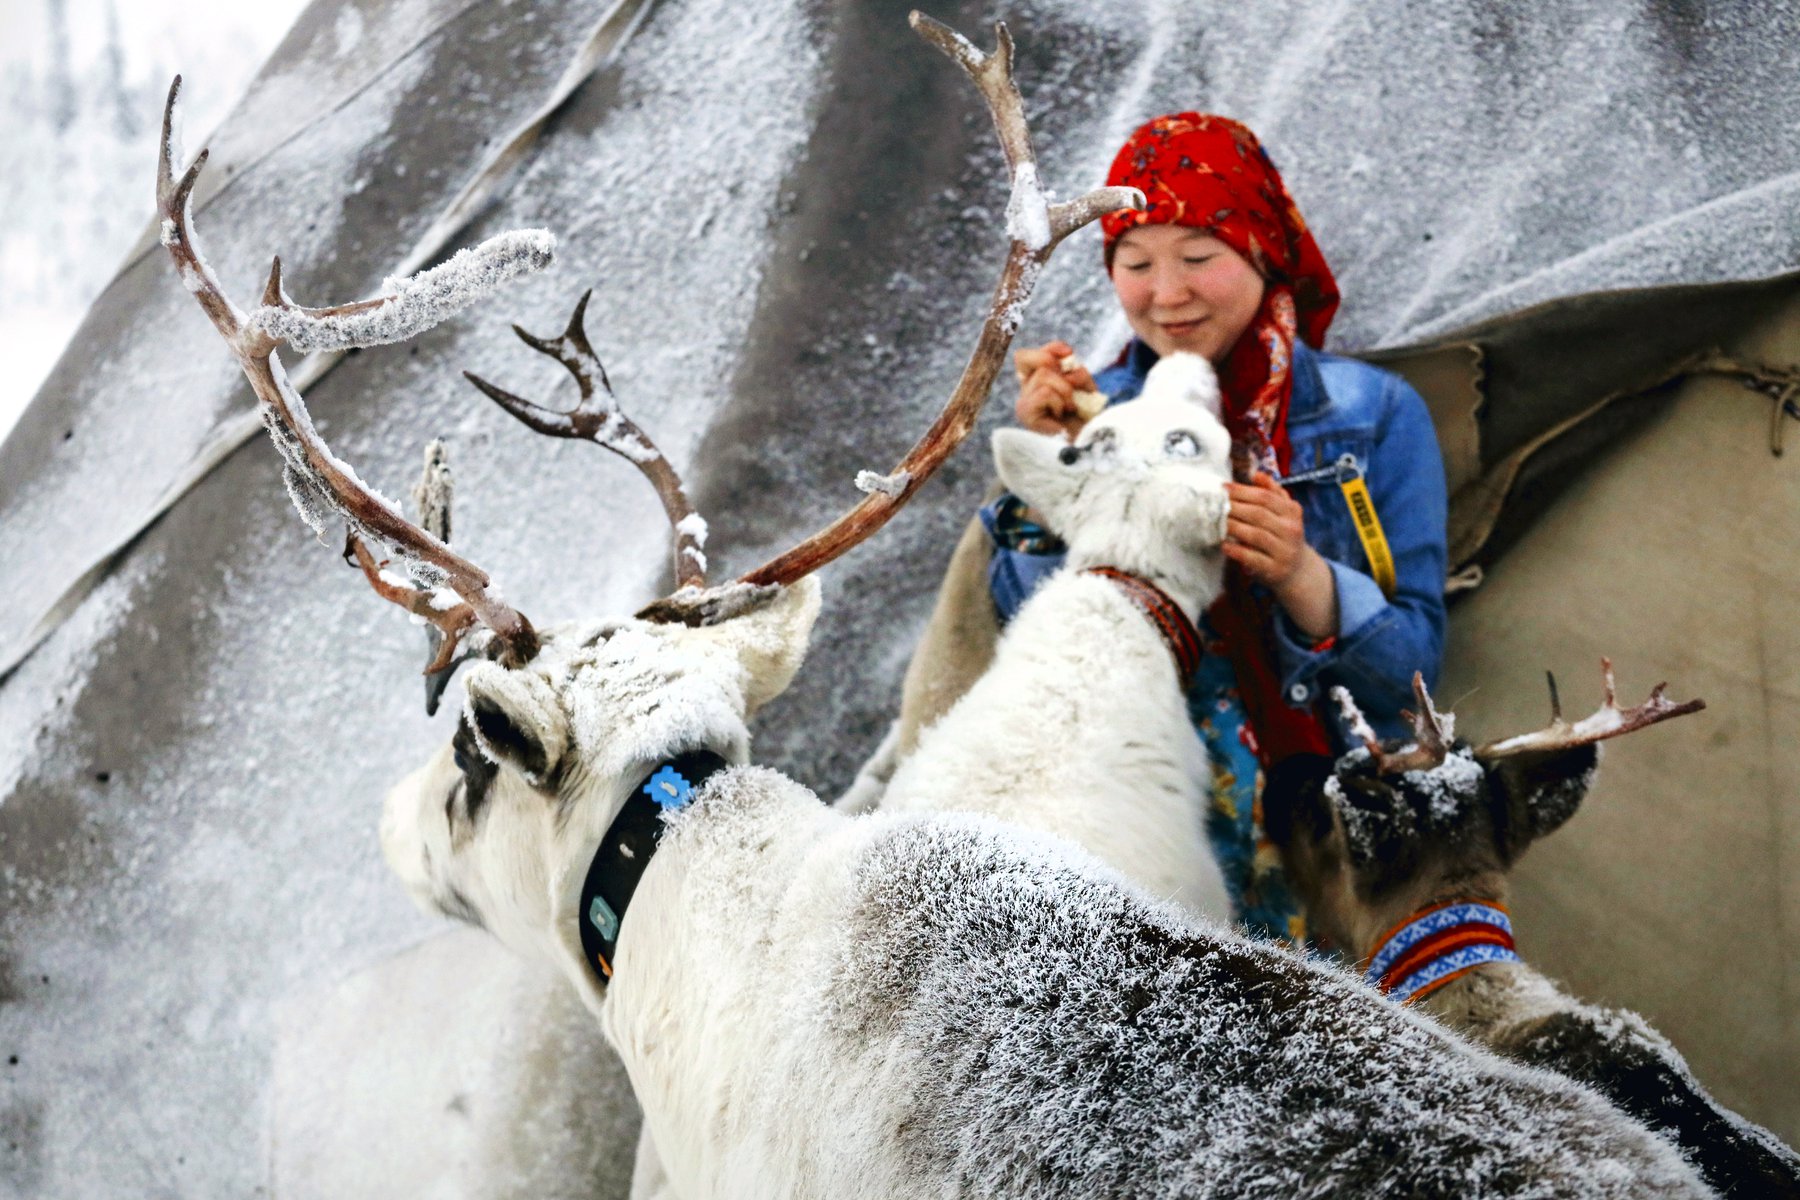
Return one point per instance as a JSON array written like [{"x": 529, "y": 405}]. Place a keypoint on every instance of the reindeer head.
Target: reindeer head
[
  {"x": 1386, "y": 830},
  {"x": 1142, "y": 487},
  {"x": 557, "y": 730},
  {"x": 499, "y": 827}
]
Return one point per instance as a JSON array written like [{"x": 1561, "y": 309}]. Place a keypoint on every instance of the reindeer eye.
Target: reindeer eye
[{"x": 1181, "y": 444}]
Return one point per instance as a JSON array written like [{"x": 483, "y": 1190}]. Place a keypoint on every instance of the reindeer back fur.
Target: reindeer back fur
[{"x": 817, "y": 1005}]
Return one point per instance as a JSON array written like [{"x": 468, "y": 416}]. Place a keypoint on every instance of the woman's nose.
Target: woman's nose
[{"x": 1169, "y": 288}]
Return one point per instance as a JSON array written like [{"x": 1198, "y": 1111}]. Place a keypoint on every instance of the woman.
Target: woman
[{"x": 1221, "y": 264}]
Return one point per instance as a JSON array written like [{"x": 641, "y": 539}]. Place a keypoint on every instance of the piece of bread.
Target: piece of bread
[{"x": 1088, "y": 404}]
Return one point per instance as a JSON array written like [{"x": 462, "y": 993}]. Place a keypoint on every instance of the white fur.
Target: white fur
[
  {"x": 812, "y": 1005},
  {"x": 1080, "y": 727}
]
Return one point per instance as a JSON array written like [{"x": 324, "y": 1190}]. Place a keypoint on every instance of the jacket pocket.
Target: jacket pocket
[{"x": 1329, "y": 527}]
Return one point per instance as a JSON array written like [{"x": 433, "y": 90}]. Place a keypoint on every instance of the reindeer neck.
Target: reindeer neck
[
  {"x": 1490, "y": 999},
  {"x": 628, "y": 846},
  {"x": 1164, "y": 611},
  {"x": 1188, "y": 590},
  {"x": 1440, "y": 942}
]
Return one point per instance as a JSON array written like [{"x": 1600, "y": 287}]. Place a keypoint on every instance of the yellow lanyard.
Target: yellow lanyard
[{"x": 1362, "y": 513}]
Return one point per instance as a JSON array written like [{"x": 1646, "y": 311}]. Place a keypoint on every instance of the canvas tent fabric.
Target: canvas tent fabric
[{"x": 791, "y": 214}]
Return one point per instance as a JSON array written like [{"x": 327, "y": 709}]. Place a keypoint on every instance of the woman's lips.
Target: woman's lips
[{"x": 1181, "y": 328}]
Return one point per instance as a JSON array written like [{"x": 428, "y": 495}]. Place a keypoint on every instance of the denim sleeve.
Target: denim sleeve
[
  {"x": 1380, "y": 643},
  {"x": 1013, "y": 574}
]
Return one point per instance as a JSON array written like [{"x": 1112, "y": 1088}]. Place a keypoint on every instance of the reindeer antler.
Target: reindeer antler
[
  {"x": 1608, "y": 721},
  {"x": 1036, "y": 227},
  {"x": 1432, "y": 732},
  {"x": 598, "y": 419},
  {"x": 318, "y": 481}
]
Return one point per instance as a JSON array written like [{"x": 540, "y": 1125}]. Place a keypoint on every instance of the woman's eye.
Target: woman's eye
[
  {"x": 1181, "y": 444},
  {"x": 1195, "y": 262},
  {"x": 1135, "y": 268}
]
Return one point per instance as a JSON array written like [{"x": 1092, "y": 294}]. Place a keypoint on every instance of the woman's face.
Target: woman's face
[{"x": 1182, "y": 289}]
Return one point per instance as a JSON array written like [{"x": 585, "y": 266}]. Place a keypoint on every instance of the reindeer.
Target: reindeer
[
  {"x": 812, "y": 1005},
  {"x": 1401, "y": 855},
  {"x": 1079, "y": 727}
]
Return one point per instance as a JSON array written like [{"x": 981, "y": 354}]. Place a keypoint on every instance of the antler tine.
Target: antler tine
[
  {"x": 1035, "y": 228},
  {"x": 1608, "y": 721},
  {"x": 1433, "y": 732},
  {"x": 597, "y": 418},
  {"x": 316, "y": 478},
  {"x": 1359, "y": 724}
]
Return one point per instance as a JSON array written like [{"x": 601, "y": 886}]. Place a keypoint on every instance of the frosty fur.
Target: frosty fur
[
  {"x": 1079, "y": 727},
  {"x": 815, "y": 1005},
  {"x": 1366, "y": 851}
]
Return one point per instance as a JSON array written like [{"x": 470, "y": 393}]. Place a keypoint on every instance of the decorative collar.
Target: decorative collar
[
  {"x": 1438, "y": 944},
  {"x": 1164, "y": 613},
  {"x": 625, "y": 851}
]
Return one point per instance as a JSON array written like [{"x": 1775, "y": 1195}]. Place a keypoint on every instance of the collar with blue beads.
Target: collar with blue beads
[{"x": 625, "y": 851}]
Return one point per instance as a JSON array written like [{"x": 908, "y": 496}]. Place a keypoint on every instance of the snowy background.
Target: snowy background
[
  {"x": 81, "y": 83},
  {"x": 789, "y": 212}
]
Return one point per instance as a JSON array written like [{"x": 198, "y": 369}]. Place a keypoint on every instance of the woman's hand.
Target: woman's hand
[
  {"x": 1266, "y": 536},
  {"x": 1046, "y": 393}
]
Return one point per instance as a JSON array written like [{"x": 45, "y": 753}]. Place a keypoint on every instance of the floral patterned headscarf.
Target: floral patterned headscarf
[{"x": 1210, "y": 172}]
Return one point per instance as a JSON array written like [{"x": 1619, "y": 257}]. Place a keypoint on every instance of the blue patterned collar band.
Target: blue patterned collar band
[
  {"x": 625, "y": 851},
  {"x": 1439, "y": 944}
]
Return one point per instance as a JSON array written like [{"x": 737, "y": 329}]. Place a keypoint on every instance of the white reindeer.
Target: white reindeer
[
  {"x": 1401, "y": 854},
  {"x": 1079, "y": 728},
  {"x": 812, "y": 1005}
]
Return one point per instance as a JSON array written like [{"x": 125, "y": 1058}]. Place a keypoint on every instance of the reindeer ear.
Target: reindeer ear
[
  {"x": 1030, "y": 468},
  {"x": 516, "y": 719},
  {"x": 770, "y": 641},
  {"x": 1536, "y": 791}
]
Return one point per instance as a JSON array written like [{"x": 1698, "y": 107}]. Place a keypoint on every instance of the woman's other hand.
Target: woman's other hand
[
  {"x": 1046, "y": 392},
  {"x": 1266, "y": 536}
]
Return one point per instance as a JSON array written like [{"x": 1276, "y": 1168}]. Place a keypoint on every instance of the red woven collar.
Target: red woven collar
[{"x": 1179, "y": 632}]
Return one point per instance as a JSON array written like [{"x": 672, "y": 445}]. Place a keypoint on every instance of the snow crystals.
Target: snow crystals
[
  {"x": 413, "y": 305},
  {"x": 885, "y": 485},
  {"x": 1028, "y": 209}
]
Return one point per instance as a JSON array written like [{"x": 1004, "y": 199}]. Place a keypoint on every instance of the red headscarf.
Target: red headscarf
[{"x": 1211, "y": 173}]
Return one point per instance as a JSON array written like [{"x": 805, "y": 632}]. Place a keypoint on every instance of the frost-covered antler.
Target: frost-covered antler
[
  {"x": 445, "y": 589},
  {"x": 598, "y": 419},
  {"x": 1036, "y": 227},
  {"x": 1609, "y": 720},
  {"x": 1432, "y": 732}
]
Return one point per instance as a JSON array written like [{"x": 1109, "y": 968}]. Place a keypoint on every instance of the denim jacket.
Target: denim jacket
[{"x": 1339, "y": 407}]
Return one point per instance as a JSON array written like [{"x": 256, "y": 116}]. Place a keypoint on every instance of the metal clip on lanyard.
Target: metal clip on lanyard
[{"x": 1350, "y": 481}]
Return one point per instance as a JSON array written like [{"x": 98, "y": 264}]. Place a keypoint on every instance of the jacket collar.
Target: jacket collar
[
  {"x": 1309, "y": 398},
  {"x": 1308, "y": 401}
]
